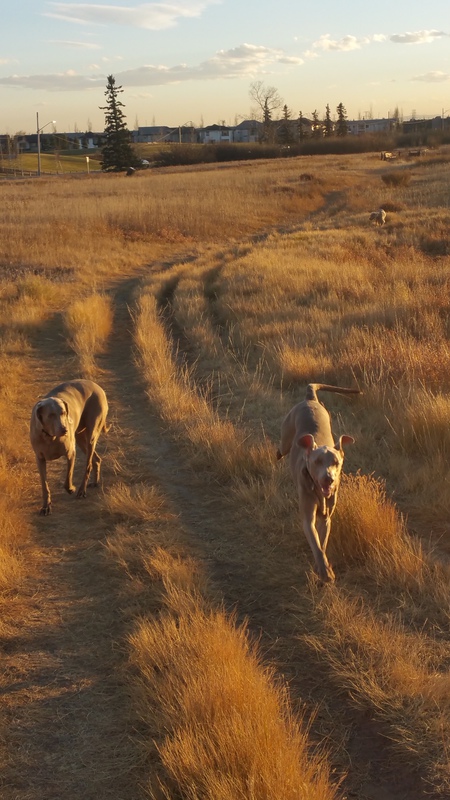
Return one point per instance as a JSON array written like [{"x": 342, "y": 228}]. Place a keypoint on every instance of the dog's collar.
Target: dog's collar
[{"x": 48, "y": 434}]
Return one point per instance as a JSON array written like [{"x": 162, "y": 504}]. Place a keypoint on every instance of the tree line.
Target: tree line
[{"x": 288, "y": 129}]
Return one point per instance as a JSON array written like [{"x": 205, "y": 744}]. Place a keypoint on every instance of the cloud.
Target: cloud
[
  {"x": 246, "y": 60},
  {"x": 419, "y": 37},
  {"x": 152, "y": 16},
  {"x": 310, "y": 54},
  {"x": 346, "y": 44},
  {"x": 432, "y": 77},
  {"x": 55, "y": 82},
  {"x": 81, "y": 45},
  {"x": 350, "y": 43}
]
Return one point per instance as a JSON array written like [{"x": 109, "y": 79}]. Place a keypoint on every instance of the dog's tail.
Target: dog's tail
[{"x": 313, "y": 388}]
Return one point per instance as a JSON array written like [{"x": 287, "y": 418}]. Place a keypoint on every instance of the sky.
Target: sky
[{"x": 183, "y": 61}]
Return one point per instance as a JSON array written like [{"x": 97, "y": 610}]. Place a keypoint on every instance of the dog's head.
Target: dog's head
[
  {"x": 324, "y": 463},
  {"x": 53, "y": 415}
]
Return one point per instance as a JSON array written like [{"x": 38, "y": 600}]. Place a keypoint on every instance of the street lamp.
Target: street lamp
[
  {"x": 38, "y": 131},
  {"x": 444, "y": 111}
]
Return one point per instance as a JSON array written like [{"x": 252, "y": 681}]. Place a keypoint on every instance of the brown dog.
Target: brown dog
[
  {"x": 316, "y": 463},
  {"x": 72, "y": 413}
]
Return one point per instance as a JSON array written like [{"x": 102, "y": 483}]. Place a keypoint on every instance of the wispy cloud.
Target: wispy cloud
[
  {"x": 153, "y": 16},
  {"x": 346, "y": 43},
  {"x": 246, "y": 60},
  {"x": 54, "y": 82},
  {"x": 432, "y": 77},
  {"x": 76, "y": 45},
  {"x": 349, "y": 43},
  {"x": 418, "y": 37}
]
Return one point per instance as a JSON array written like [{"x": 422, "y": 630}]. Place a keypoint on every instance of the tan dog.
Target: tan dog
[
  {"x": 72, "y": 413},
  {"x": 378, "y": 217},
  {"x": 316, "y": 463}
]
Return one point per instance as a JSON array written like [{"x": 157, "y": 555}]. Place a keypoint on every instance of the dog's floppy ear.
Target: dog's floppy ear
[
  {"x": 307, "y": 442},
  {"x": 69, "y": 418},
  {"x": 343, "y": 441},
  {"x": 38, "y": 410}
]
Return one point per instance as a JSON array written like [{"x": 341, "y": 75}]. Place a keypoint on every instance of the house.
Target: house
[
  {"x": 424, "y": 125},
  {"x": 249, "y": 130},
  {"x": 28, "y": 142},
  {"x": 156, "y": 134},
  {"x": 214, "y": 134},
  {"x": 359, "y": 127}
]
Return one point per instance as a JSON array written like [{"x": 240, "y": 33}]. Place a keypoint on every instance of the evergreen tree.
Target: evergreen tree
[
  {"x": 285, "y": 129},
  {"x": 267, "y": 131},
  {"x": 327, "y": 125},
  {"x": 317, "y": 127},
  {"x": 117, "y": 152},
  {"x": 341, "y": 127},
  {"x": 302, "y": 131}
]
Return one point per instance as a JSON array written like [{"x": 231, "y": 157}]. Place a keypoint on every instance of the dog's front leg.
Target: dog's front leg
[
  {"x": 323, "y": 525},
  {"x": 46, "y": 497},
  {"x": 324, "y": 568},
  {"x": 68, "y": 484}
]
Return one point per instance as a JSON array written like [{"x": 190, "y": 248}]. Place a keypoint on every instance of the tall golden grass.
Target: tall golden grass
[
  {"x": 355, "y": 319},
  {"x": 228, "y": 328},
  {"x": 89, "y": 324},
  {"x": 219, "y": 721}
]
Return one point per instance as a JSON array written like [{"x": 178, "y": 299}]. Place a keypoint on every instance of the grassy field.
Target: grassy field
[
  {"x": 53, "y": 163},
  {"x": 167, "y": 637}
]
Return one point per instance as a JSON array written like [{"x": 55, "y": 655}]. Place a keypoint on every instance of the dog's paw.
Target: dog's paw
[
  {"x": 45, "y": 510},
  {"x": 328, "y": 576},
  {"x": 81, "y": 492},
  {"x": 70, "y": 489}
]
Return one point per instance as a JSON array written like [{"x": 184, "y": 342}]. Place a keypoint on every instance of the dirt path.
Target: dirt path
[{"x": 64, "y": 693}]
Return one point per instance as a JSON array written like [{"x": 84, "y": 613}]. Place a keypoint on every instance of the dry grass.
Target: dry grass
[
  {"x": 333, "y": 305},
  {"x": 229, "y": 730},
  {"x": 14, "y": 527},
  {"x": 213, "y": 440},
  {"x": 401, "y": 675},
  {"x": 218, "y": 721},
  {"x": 227, "y": 332},
  {"x": 89, "y": 324}
]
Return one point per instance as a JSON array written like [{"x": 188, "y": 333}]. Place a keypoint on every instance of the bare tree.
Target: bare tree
[{"x": 267, "y": 99}]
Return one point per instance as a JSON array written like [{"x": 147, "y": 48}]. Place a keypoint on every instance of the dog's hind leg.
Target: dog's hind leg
[{"x": 68, "y": 483}]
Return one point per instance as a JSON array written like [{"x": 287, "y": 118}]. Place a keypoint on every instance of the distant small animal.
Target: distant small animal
[
  {"x": 72, "y": 413},
  {"x": 378, "y": 217},
  {"x": 316, "y": 461}
]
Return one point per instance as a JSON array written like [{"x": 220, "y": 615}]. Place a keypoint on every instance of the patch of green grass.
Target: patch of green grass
[{"x": 50, "y": 163}]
